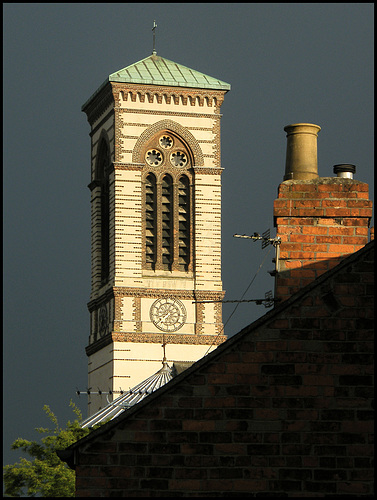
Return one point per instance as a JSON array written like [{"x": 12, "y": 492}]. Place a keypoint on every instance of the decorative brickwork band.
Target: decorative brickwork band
[
  {"x": 168, "y": 338},
  {"x": 150, "y": 93}
]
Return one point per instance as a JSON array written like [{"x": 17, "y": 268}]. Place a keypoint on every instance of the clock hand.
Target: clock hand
[{"x": 163, "y": 318}]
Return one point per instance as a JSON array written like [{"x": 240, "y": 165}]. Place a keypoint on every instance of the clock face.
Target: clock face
[{"x": 168, "y": 315}]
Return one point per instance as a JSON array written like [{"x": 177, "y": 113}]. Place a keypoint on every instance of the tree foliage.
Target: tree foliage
[{"x": 45, "y": 475}]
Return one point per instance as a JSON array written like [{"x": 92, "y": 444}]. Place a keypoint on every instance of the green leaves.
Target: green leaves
[{"x": 45, "y": 474}]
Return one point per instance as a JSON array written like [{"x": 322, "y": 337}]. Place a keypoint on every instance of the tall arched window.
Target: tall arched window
[
  {"x": 167, "y": 221},
  {"x": 150, "y": 221},
  {"x": 184, "y": 222},
  {"x": 103, "y": 170},
  {"x": 168, "y": 206}
]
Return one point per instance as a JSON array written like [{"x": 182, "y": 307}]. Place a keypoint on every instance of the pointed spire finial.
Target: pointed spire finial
[{"x": 154, "y": 38}]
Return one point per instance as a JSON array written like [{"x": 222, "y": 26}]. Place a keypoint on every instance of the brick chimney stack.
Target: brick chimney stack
[{"x": 320, "y": 220}]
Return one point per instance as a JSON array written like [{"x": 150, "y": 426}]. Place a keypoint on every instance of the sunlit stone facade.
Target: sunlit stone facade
[{"x": 156, "y": 223}]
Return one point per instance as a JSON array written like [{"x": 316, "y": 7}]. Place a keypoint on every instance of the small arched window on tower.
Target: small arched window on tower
[
  {"x": 103, "y": 171},
  {"x": 150, "y": 221},
  {"x": 167, "y": 221},
  {"x": 184, "y": 222}
]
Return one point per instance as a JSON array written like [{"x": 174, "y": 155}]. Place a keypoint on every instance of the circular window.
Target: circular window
[
  {"x": 166, "y": 141},
  {"x": 153, "y": 157},
  {"x": 178, "y": 159}
]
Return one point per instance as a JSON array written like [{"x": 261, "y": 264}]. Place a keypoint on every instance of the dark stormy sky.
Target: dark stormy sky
[{"x": 287, "y": 63}]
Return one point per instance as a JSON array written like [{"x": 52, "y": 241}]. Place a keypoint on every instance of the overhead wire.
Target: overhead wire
[
  {"x": 224, "y": 325},
  {"x": 239, "y": 301}
]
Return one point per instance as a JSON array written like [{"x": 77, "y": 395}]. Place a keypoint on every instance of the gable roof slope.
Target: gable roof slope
[{"x": 321, "y": 285}]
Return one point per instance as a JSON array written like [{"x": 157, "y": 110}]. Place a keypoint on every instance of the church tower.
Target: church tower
[{"x": 155, "y": 222}]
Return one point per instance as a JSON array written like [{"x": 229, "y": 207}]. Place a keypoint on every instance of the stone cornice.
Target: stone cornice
[
  {"x": 182, "y": 95},
  {"x": 95, "y": 183},
  {"x": 168, "y": 338},
  {"x": 102, "y": 299},
  {"x": 98, "y": 344},
  {"x": 128, "y": 166},
  {"x": 155, "y": 338},
  {"x": 167, "y": 113},
  {"x": 100, "y": 102},
  {"x": 208, "y": 170},
  {"x": 159, "y": 293}
]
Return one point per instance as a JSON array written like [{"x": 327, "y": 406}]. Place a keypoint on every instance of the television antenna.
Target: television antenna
[{"x": 266, "y": 240}]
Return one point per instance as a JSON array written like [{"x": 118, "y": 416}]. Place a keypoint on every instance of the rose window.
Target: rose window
[
  {"x": 178, "y": 159},
  {"x": 154, "y": 157},
  {"x": 166, "y": 142}
]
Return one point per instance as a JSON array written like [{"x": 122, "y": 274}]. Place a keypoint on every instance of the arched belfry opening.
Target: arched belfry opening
[
  {"x": 168, "y": 186},
  {"x": 103, "y": 179}
]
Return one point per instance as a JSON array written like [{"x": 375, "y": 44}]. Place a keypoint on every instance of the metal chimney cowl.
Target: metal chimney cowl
[
  {"x": 344, "y": 170},
  {"x": 301, "y": 159}
]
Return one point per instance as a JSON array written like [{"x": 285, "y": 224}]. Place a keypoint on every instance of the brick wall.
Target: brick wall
[
  {"x": 283, "y": 408},
  {"x": 319, "y": 221}
]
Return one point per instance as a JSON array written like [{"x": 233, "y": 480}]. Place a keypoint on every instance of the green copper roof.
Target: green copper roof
[{"x": 156, "y": 70}]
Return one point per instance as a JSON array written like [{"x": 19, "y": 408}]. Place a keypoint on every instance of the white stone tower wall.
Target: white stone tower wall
[{"x": 129, "y": 116}]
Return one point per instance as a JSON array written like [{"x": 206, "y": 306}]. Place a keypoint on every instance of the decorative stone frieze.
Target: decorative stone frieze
[
  {"x": 185, "y": 96},
  {"x": 168, "y": 338}
]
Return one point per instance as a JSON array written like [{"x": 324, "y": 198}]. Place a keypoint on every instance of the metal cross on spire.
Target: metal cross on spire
[{"x": 154, "y": 37}]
